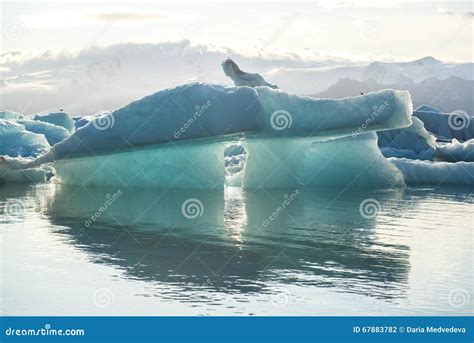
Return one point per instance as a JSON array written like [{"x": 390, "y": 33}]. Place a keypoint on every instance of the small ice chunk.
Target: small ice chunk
[
  {"x": 9, "y": 115},
  {"x": 53, "y": 133},
  {"x": 456, "y": 151},
  {"x": 58, "y": 118},
  {"x": 15, "y": 141},
  {"x": 411, "y": 142},
  {"x": 241, "y": 78},
  {"x": 416, "y": 172}
]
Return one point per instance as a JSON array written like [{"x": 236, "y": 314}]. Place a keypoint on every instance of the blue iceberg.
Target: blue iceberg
[{"x": 177, "y": 138}]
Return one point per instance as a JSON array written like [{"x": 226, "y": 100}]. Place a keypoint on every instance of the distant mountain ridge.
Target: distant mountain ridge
[
  {"x": 447, "y": 95},
  {"x": 315, "y": 80}
]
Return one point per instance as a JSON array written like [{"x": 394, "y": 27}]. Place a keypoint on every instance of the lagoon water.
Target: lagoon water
[{"x": 238, "y": 253}]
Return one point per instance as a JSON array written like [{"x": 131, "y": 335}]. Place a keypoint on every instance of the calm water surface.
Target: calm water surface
[{"x": 245, "y": 253}]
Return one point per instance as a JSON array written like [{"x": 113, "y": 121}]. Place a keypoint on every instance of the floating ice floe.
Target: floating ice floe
[
  {"x": 456, "y": 151},
  {"x": 57, "y": 118},
  {"x": 416, "y": 172},
  {"x": 412, "y": 142},
  {"x": 446, "y": 126},
  {"x": 9, "y": 115},
  {"x": 53, "y": 133},
  {"x": 16, "y": 141}
]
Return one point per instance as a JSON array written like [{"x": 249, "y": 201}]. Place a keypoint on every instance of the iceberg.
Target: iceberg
[
  {"x": 16, "y": 141},
  {"x": 412, "y": 142},
  {"x": 416, "y": 172},
  {"x": 9, "y": 115},
  {"x": 447, "y": 126},
  {"x": 203, "y": 111},
  {"x": 53, "y": 133},
  {"x": 23, "y": 175},
  {"x": 456, "y": 151},
  {"x": 177, "y": 138},
  {"x": 342, "y": 162},
  {"x": 58, "y": 118}
]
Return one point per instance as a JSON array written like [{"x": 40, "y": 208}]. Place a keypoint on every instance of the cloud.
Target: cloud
[
  {"x": 89, "y": 80},
  {"x": 91, "y": 17},
  {"x": 444, "y": 11},
  {"x": 127, "y": 16},
  {"x": 103, "y": 78}
]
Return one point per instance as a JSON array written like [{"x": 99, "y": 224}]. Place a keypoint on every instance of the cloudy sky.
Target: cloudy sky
[{"x": 358, "y": 30}]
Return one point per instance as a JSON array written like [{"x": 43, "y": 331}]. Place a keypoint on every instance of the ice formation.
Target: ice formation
[
  {"x": 53, "y": 133},
  {"x": 23, "y": 175},
  {"x": 57, "y": 118},
  {"x": 348, "y": 161},
  {"x": 9, "y": 115},
  {"x": 416, "y": 172},
  {"x": 241, "y": 78},
  {"x": 412, "y": 142},
  {"x": 456, "y": 151},
  {"x": 16, "y": 141},
  {"x": 447, "y": 126},
  {"x": 101, "y": 157},
  {"x": 178, "y": 137},
  {"x": 203, "y": 111}
]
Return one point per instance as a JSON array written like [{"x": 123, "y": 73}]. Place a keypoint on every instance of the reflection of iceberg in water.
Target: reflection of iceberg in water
[{"x": 228, "y": 247}]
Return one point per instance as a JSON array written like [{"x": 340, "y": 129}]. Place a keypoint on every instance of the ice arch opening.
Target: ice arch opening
[{"x": 235, "y": 156}]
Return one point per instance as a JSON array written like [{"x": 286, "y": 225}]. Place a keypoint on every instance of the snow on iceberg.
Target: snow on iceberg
[
  {"x": 416, "y": 172},
  {"x": 456, "y": 151}
]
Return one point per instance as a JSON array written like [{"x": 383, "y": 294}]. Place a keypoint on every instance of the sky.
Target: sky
[{"x": 356, "y": 30}]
